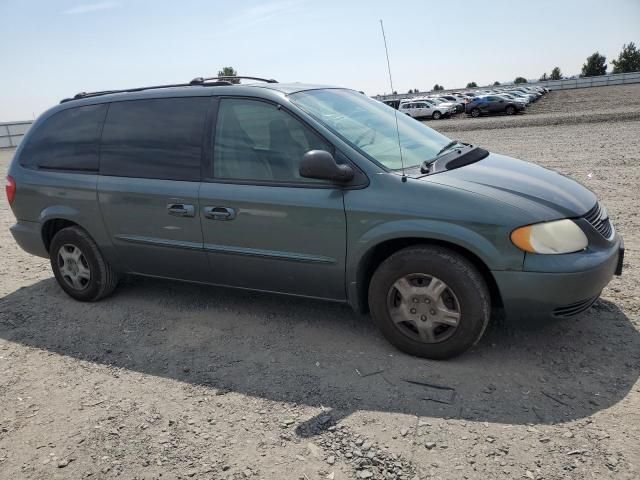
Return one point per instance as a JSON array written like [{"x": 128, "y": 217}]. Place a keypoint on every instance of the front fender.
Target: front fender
[
  {"x": 440, "y": 231},
  {"x": 488, "y": 243}
]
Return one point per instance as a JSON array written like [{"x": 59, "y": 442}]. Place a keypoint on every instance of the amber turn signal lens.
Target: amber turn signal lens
[{"x": 521, "y": 237}]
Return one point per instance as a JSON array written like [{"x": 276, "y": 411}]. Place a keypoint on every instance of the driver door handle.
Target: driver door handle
[{"x": 219, "y": 213}]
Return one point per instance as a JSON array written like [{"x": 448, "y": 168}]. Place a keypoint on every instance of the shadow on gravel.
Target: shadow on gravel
[{"x": 314, "y": 353}]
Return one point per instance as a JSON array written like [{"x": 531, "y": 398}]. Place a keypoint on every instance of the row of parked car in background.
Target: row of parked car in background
[{"x": 501, "y": 100}]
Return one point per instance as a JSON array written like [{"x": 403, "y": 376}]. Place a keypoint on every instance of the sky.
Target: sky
[{"x": 52, "y": 49}]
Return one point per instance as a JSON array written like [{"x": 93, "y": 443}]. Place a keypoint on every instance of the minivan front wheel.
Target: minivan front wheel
[
  {"x": 79, "y": 266},
  {"x": 475, "y": 113},
  {"x": 429, "y": 301}
]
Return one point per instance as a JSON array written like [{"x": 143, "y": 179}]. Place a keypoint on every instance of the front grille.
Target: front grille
[
  {"x": 574, "y": 308},
  {"x": 599, "y": 218}
]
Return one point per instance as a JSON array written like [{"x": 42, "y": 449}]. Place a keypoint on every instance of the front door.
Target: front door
[
  {"x": 496, "y": 104},
  {"x": 264, "y": 226},
  {"x": 150, "y": 166}
]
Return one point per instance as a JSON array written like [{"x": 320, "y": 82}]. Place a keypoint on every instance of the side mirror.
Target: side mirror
[{"x": 321, "y": 165}]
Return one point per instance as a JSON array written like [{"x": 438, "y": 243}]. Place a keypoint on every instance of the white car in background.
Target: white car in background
[
  {"x": 523, "y": 96},
  {"x": 513, "y": 98},
  {"x": 449, "y": 100},
  {"x": 423, "y": 108}
]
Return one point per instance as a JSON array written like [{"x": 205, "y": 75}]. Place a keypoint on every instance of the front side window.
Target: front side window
[
  {"x": 256, "y": 140},
  {"x": 68, "y": 140},
  {"x": 371, "y": 127},
  {"x": 157, "y": 138}
]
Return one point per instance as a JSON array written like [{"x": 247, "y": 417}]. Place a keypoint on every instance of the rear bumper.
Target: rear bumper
[
  {"x": 29, "y": 237},
  {"x": 529, "y": 294}
]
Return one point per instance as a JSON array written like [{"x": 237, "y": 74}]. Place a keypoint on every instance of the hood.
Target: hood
[{"x": 545, "y": 194}]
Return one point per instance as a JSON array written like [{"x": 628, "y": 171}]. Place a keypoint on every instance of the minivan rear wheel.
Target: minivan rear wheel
[
  {"x": 429, "y": 301},
  {"x": 79, "y": 266},
  {"x": 510, "y": 110},
  {"x": 436, "y": 115}
]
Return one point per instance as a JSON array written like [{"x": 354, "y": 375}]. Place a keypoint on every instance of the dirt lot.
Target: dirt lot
[{"x": 168, "y": 380}]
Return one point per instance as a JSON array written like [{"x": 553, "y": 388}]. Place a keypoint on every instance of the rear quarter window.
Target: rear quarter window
[
  {"x": 68, "y": 140},
  {"x": 157, "y": 138}
]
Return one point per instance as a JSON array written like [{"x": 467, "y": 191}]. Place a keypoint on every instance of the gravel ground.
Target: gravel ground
[{"x": 169, "y": 380}]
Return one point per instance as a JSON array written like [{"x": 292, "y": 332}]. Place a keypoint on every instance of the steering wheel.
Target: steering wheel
[{"x": 370, "y": 131}]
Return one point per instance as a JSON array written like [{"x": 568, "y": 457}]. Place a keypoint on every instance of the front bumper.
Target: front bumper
[
  {"x": 29, "y": 237},
  {"x": 563, "y": 291}
]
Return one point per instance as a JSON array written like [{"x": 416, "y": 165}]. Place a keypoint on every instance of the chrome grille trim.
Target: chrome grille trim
[{"x": 599, "y": 219}]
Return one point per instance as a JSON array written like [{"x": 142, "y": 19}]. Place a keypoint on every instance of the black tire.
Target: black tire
[
  {"x": 510, "y": 110},
  {"x": 475, "y": 113},
  {"x": 436, "y": 115},
  {"x": 460, "y": 277},
  {"x": 102, "y": 279}
]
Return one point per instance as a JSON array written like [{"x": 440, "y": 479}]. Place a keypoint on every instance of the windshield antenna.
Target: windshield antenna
[{"x": 384, "y": 37}]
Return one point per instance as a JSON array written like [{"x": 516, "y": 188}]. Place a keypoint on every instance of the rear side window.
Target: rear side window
[
  {"x": 68, "y": 140},
  {"x": 158, "y": 138}
]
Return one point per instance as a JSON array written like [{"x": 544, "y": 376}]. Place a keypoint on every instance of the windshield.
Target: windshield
[{"x": 370, "y": 126}]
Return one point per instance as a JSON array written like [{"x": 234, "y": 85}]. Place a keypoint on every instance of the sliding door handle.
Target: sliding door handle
[
  {"x": 181, "y": 210},
  {"x": 219, "y": 213}
]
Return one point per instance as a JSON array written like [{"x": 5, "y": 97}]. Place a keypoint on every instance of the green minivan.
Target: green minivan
[{"x": 306, "y": 190}]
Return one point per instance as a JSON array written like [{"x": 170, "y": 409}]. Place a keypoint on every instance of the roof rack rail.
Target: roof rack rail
[
  {"x": 208, "y": 82},
  {"x": 201, "y": 80}
]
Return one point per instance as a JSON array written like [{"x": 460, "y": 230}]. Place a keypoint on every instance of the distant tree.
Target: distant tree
[
  {"x": 395, "y": 92},
  {"x": 229, "y": 72},
  {"x": 544, "y": 77},
  {"x": 410, "y": 90},
  {"x": 472, "y": 85},
  {"x": 556, "y": 74},
  {"x": 437, "y": 87},
  {"x": 628, "y": 59},
  {"x": 496, "y": 83},
  {"x": 520, "y": 80},
  {"x": 595, "y": 65}
]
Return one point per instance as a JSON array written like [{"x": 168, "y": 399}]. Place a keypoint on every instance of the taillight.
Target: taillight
[{"x": 10, "y": 188}]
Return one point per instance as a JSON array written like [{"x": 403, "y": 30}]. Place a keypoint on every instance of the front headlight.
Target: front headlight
[{"x": 560, "y": 236}]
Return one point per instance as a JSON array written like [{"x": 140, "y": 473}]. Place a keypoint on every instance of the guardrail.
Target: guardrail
[
  {"x": 565, "y": 84},
  {"x": 12, "y": 132}
]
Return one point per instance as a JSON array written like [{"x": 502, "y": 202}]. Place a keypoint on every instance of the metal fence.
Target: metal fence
[
  {"x": 12, "y": 132},
  {"x": 566, "y": 84},
  {"x": 599, "y": 81}
]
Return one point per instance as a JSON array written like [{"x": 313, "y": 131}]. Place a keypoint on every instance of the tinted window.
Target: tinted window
[
  {"x": 67, "y": 140},
  {"x": 256, "y": 140},
  {"x": 158, "y": 138}
]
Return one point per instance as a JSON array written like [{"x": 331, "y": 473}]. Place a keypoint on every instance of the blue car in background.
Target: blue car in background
[{"x": 492, "y": 104}]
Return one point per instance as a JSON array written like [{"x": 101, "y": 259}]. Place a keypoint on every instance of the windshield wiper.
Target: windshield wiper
[
  {"x": 452, "y": 143},
  {"x": 425, "y": 166}
]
